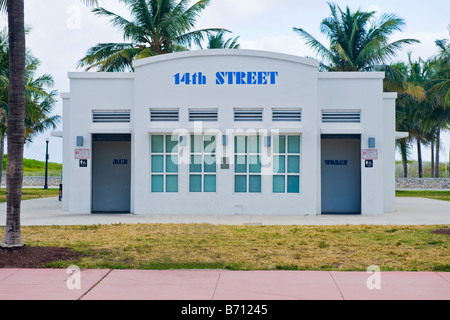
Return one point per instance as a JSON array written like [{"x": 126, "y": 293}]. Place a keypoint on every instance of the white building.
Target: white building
[{"x": 228, "y": 132}]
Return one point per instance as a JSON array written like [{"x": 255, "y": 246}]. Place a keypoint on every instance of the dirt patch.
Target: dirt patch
[
  {"x": 442, "y": 231},
  {"x": 34, "y": 257}
]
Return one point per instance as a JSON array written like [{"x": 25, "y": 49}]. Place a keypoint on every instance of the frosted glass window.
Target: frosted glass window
[
  {"x": 240, "y": 183},
  {"x": 157, "y": 183},
  {"x": 279, "y": 144},
  {"x": 210, "y": 144},
  {"x": 203, "y": 164},
  {"x": 196, "y": 164},
  {"x": 157, "y": 144},
  {"x": 172, "y": 163},
  {"x": 210, "y": 183},
  {"x": 279, "y": 163},
  {"x": 195, "y": 183},
  {"x": 293, "y": 144},
  {"x": 172, "y": 183},
  {"x": 254, "y": 184},
  {"x": 279, "y": 184},
  {"x": 293, "y": 164},
  {"x": 286, "y": 167},
  {"x": 157, "y": 163},
  {"x": 164, "y": 162},
  {"x": 171, "y": 144},
  {"x": 240, "y": 144},
  {"x": 196, "y": 143},
  {"x": 240, "y": 164},
  {"x": 247, "y": 164},
  {"x": 293, "y": 184},
  {"x": 254, "y": 164},
  {"x": 210, "y": 163}
]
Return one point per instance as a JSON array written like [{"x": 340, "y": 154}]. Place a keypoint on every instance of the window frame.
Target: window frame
[
  {"x": 165, "y": 154},
  {"x": 248, "y": 154},
  {"x": 286, "y": 155},
  {"x": 203, "y": 153}
]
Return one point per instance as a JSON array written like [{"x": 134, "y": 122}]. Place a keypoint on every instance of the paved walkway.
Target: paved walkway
[
  {"x": 219, "y": 285},
  {"x": 410, "y": 211},
  {"x": 58, "y": 284}
]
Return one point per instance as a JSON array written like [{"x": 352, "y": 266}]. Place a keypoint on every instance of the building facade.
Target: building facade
[{"x": 228, "y": 132}]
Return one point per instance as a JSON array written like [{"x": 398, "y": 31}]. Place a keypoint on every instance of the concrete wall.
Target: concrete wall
[
  {"x": 359, "y": 91},
  {"x": 296, "y": 86},
  {"x": 299, "y": 85}
]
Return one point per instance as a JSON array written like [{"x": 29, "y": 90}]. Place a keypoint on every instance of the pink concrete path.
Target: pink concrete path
[{"x": 58, "y": 284}]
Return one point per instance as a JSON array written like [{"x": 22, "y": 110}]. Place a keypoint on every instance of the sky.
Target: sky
[{"x": 63, "y": 30}]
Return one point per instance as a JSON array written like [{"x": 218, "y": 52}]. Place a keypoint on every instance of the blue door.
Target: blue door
[
  {"x": 111, "y": 173},
  {"x": 341, "y": 174}
]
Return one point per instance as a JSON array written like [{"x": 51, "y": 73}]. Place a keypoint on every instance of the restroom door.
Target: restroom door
[
  {"x": 111, "y": 173},
  {"x": 341, "y": 174}
]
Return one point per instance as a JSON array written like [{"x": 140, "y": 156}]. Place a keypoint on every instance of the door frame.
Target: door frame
[
  {"x": 109, "y": 137},
  {"x": 342, "y": 136}
]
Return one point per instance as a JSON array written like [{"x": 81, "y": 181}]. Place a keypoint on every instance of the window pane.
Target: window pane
[
  {"x": 210, "y": 144},
  {"x": 240, "y": 183},
  {"x": 157, "y": 183},
  {"x": 171, "y": 144},
  {"x": 240, "y": 164},
  {"x": 240, "y": 144},
  {"x": 210, "y": 164},
  {"x": 172, "y": 163},
  {"x": 210, "y": 183},
  {"x": 254, "y": 164},
  {"x": 196, "y": 164},
  {"x": 157, "y": 144},
  {"x": 293, "y": 164},
  {"x": 293, "y": 184},
  {"x": 279, "y": 184},
  {"x": 196, "y": 143},
  {"x": 195, "y": 183},
  {"x": 172, "y": 183},
  {"x": 157, "y": 163},
  {"x": 254, "y": 184},
  {"x": 253, "y": 144},
  {"x": 279, "y": 164},
  {"x": 279, "y": 144},
  {"x": 294, "y": 144}
]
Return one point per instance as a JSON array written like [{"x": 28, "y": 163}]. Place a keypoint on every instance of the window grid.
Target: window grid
[
  {"x": 286, "y": 164},
  {"x": 202, "y": 168},
  {"x": 164, "y": 163},
  {"x": 247, "y": 164}
]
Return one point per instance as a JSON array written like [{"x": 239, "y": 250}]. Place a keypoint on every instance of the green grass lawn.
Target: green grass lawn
[
  {"x": 205, "y": 246},
  {"x": 32, "y": 193},
  {"x": 438, "y": 195}
]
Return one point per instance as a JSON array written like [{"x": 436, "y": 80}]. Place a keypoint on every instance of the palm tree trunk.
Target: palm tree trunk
[
  {"x": 432, "y": 158},
  {"x": 438, "y": 138},
  {"x": 16, "y": 116},
  {"x": 419, "y": 158},
  {"x": 403, "y": 152},
  {"x": 2, "y": 152}
]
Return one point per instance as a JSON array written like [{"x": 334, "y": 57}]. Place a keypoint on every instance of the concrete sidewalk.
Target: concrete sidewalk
[
  {"x": 58, "y": 284},
  {"x": 410, "y": 211},
  {"x": 216, "y": 285}
]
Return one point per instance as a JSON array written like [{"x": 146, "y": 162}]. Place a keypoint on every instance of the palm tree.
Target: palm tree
[
  {"x": 217, "y": 41},
  {"x": 156, "y": 27},
  {"x": 357, "y": 42},
  {"x": 38, "y": 106},
  {"x": 439, "y": 95},
  {"x": 16, "y": 118}
]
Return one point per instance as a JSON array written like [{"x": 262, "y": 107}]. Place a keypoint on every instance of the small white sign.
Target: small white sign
[
  {"x": 370, "y": 154},
  {"x": 82, "y": 154}
]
